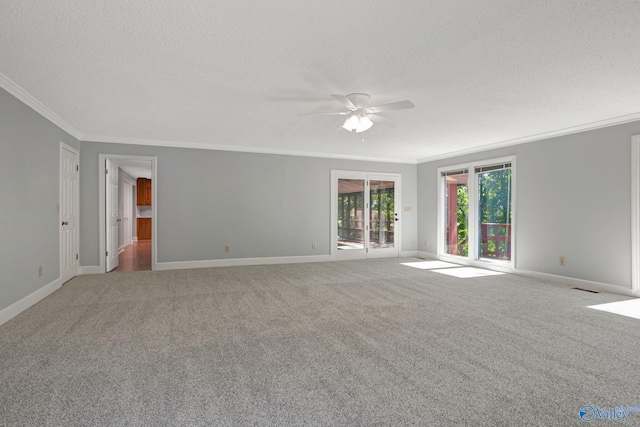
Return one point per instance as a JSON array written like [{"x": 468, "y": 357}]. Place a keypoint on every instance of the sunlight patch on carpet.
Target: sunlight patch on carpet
[
  {"x": 467, "y": 272},
  {"x": 429, "y": 265},
  {"x": 630, "y": 308}
]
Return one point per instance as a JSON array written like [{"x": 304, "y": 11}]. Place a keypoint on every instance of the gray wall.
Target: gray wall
[
  {"x": 29, "y": 191},
  {"x": 573, "y": 199},
  {"x": 261, "y": 205}
]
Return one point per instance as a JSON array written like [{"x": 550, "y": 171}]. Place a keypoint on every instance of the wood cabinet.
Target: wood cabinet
[
  {"x": 144, "y": 228},
  {"x": 143, "y": 189}
]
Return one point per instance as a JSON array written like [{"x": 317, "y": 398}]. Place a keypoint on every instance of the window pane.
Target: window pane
[
  {"x": 456, "y": 214},
  {"x": 350, "y": 214},
  {"x": 494, "y": 214},
  {"x": 381, "y": 214}
]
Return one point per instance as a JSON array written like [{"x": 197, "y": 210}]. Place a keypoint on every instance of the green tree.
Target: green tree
[
  {"x": 494, "y": 191},
  {"x": 463, "y": 228}
]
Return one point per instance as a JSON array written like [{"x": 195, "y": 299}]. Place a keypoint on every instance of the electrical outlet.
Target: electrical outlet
[
  {"x": 563, "y": 261},
  {"x": 40, "y": 271},
  {"x": 227, "y": 248},
  {"x": 313, "y": 246}
]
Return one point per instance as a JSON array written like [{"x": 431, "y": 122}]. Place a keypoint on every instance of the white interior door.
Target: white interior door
[
  {"x": 365, "y": 219},
  {"x": 111, "y": 208},
  {"x": 69, "y": 171}
]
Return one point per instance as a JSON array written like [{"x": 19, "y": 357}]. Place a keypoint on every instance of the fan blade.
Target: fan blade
[
  {"x": 379, "y": 119},
  {"x": 345, "y": 101},
  {"x": 337, "y": 113},
  {"x": 400, "y": 105}
]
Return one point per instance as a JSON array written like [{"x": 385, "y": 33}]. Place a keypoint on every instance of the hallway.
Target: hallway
[{"x": 135, "y": 257}]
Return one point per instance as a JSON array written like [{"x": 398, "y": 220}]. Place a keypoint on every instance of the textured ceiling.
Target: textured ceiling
[{"x": 235, "y": 75}]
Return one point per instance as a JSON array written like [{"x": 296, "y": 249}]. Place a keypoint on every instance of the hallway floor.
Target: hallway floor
[{"x": 135, "y": 257}]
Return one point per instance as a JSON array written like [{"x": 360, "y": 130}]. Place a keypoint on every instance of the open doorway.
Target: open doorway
[
  {"x": 134, "y": 243},
  {"x": 127, "y": 213}
]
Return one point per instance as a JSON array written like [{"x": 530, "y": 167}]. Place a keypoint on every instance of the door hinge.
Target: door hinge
[
  {"x": 367, "y": 250},
  {"x": 106, "y": 171},
  {"x": 77, "y": 168},
  {"x": 106, "y": 253},
  {"x": 76, "y": 256}
]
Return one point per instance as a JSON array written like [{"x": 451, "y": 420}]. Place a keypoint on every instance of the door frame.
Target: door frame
[
  {"x": 67, "y": 147},
  {"x": 126, "y": 223},
  {"x": 366, "y": 176},
  {"x": 473, "y": 259},
  {"x": 128, "y": 229},
  {"x": 101, "y": 206},
  {"x": 635, "y": 213}
]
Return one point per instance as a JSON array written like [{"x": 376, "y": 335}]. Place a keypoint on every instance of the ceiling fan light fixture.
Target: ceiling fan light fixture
[
  {"x": 359, "y": 113},
  {"x": 357, "y": 123}
]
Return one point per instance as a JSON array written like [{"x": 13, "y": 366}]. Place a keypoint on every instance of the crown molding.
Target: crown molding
[
  {"x": 537, "y": 137},
  {"x": 234, "y": 148},
  {"x": 15, "y": 90}
]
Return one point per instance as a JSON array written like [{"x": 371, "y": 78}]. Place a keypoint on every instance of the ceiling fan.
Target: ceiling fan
[{"x": 361, "y": 116}]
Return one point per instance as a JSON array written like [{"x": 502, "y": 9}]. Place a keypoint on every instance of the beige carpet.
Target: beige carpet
[{"x": 343, "y": 343}]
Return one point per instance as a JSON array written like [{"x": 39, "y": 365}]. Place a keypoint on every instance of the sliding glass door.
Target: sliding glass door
[
  {"x": 456, "y": 206},
  {"x": 475, "y": 221},
  {"x": 494, "y": 212},
  {"x": 350, "y": 214},
  {"x": 383, "y": 216},
  {"x": 364, "y": 215}
]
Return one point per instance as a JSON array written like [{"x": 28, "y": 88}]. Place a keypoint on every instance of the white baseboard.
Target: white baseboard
[
  {"x": 408, "y": 254},
  {"x": 90, "y": 269},
  {"x": 426, "y": 255},
  {"x": 182, "y": 265},
  {"x": 134, "y": 239},
  {"x": 18, "y": 307},
  {"x": 580, "y": 283}
]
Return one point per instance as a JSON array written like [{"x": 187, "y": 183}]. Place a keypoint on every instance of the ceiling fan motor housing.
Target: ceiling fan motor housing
[{"x": 359, "y": 100}]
